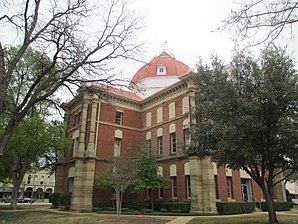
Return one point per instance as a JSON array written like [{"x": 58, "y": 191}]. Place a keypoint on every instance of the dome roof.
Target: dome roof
[{"x": 161, "y": 66}]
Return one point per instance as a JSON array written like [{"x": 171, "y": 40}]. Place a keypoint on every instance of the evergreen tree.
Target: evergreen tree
[{"x": 247, "y": 117}]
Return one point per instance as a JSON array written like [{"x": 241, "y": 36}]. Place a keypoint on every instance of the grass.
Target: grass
[
  {"x": 261, "y": 218},
  {"x": 45, "y": 217},
  {"x": 255, "y": 218},
  {"x": 24, "y": 206},
  {"x": 30, "y": 215}
]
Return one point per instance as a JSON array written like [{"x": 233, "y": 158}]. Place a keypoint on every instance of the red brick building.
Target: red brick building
[{"x": 157, "y": 112}]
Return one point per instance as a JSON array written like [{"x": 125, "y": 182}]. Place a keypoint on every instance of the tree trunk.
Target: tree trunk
[
  {"x": 152, "y": 200},
  {"x": 117, "y": 194},
  {"x": 270, "y": 205},
  {"x": 15, "y": 191},
  {"x": 120, "y": 206},
  {"x": 8, "y": 132},
  {"x": 4, "y": 80},
  {"x": 18, "y": 173}
]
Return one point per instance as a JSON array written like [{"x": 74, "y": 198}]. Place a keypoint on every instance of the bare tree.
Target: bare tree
[
  {"x": 271, "y": 17},
  {"x": 82, "y": 40}
]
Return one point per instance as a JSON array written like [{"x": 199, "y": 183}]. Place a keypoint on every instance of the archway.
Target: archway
[
  {"x": 39, "y": 194},
  {"x": 48, "y": 192},
  {"x": 28, "y": 192}
]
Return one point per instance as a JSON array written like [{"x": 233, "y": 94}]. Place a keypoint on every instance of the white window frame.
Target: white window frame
[
  {"x": 173, "y": 144},
  {"x": 117, "y": 147},
  {"x": 161, "y": 70}
]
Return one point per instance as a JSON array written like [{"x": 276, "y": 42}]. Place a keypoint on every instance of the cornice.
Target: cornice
[{"x": 171, "y": 92}]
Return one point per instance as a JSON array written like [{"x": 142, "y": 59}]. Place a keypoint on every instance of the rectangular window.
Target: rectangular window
[
  {"x": 174, "y": 187},
  {"x": 246, "y": 190},
  {"x": 148, "y": 193},
  {"x": 148, "y": 143},
  {"x": 117, "y": 147},
  {"x": 216, "y": 187},
  {"x": 75, "y": 145},
  {"x": 173, "y": 143},
  {"x": 161, "y": 70},
  {"x": 159, "y": 115},
  {"x": 230, "y": 187},
  {"x": 159, "y": 145},
  {"x": 119, "y": 117},
  {"x": 77, "y": 118},
  {"x": 187, "y": 186},
  {"x": 160, "y": 192},
  {"x": 172, "y": 112},
  {"x": 148, "y": 119},
  {"x": 186, "y": 136}
]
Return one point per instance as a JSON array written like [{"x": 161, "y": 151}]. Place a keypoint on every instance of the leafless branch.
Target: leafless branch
[
  {"x": 261, "y": 21},
  {"x": 68, "y": 50}
]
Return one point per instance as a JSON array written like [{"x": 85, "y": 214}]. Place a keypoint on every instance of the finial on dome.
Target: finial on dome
[{"x": 165, "y": 45}]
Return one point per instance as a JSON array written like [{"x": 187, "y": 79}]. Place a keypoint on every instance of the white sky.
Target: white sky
[{"x": 188, "y": 27}]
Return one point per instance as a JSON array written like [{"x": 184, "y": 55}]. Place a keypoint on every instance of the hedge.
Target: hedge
[
  {"x": 137, "y": 205},
  {"x": 54, "y": 199},
  {"x": 183, "y": 207},
  {"x": 65, "y": 200},
  {"x": 102, "y": 205},
  {"x": 229, "y": 208},
  {"x": 279, "y": 206}
]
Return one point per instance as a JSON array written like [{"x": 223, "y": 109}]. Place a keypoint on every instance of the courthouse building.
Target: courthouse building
[{"x": 156, "y": 111}]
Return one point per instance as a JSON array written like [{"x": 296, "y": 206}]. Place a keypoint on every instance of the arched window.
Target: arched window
[
  {"x": 35, "y": 179},
  {"x": 173, "y": 176},
  {"x": 48, "y": 180},
  {"x": 41, "y": 180},
  {"x": 29, "y": 179}
]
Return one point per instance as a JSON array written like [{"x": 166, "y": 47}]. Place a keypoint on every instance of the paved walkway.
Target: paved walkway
[
  {"x": 181, "y": 220},
  {"x": 186, "y": 219}
]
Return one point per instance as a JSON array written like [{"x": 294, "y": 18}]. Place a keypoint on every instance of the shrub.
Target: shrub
[
  {"x": 102, "y": 205},
  {"x": 54, "y": 199},
  {"x": 279, "y": 206},
  {"x": 163, "y": 210},
  {"x": 229, "y": 208},
  {"x": 65, "y": 200},
  {"x": 183, "y": 207},
  {"x": 137, "y": 205}
]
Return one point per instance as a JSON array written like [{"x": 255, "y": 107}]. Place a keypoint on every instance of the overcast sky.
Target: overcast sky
[{"x": 188, "y": 28}]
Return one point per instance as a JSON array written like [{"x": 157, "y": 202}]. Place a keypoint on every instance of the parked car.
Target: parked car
[
  {"x": 6, "y": 200},
  {"x": 295, "y": 201},
  {"x": 25, "y": 200},
  {"x": 19, "y": 200}
]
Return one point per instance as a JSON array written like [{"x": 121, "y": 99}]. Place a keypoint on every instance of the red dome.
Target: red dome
[{"x": 171, "y": 67}]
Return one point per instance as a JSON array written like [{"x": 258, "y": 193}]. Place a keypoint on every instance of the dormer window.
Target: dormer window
[{"x": 161, "y": 70}]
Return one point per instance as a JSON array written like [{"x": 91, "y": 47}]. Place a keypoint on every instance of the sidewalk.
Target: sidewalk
[
  {"x": 181, "y": 220},
  {"x": 186, "y": 219}
]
